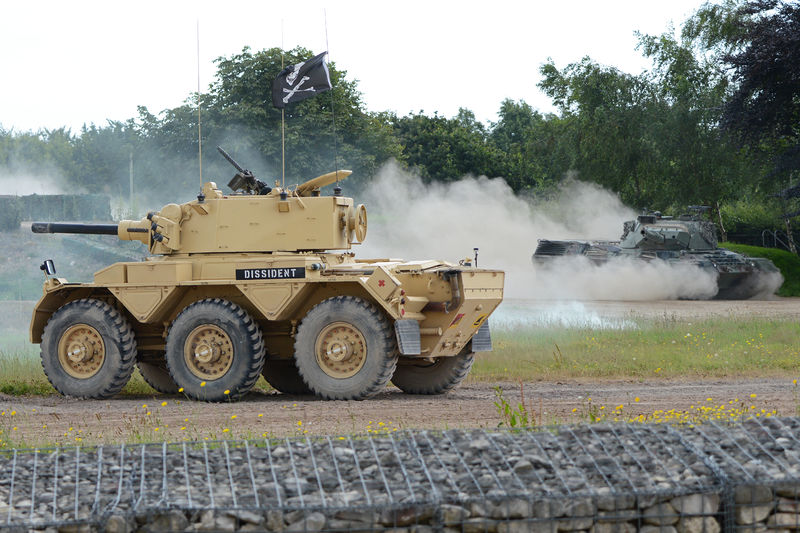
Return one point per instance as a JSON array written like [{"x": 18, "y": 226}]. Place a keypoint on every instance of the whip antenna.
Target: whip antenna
[
  {"x": 283, "y": 126},
  {"x": 199, "y": 127},
  {"x": 333, "y": 112}
]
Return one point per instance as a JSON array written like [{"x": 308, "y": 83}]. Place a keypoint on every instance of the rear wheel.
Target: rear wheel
[
  {"x": 88, "y": 350},
  {"x": 345, "y": 349},
  {"x": 283, "y": 376},
  {"x": 440, "y": 376},
  {"x": 214, "y": 350},
  {"x": 153, "y": 368}
]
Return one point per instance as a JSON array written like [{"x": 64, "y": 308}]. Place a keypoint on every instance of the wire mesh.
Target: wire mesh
[{"x": 603, "y": 477}]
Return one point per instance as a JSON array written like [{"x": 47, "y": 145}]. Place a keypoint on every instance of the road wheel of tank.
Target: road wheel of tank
[
  {"x": 440, "y": 376},
  {"x": 214, "y": 351},
  {"x": 153, "y": 368},
  {"x": 345, "y": 349},
  {"x": 283, "y": 376},
  {"x": 88, "y": 349}
]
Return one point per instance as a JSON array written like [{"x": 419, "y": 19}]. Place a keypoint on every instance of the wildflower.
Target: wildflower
[
  {"x": 202, "y": 383},
  {"x": 260, "y": 415},
  {"x": 180, "y": 390},
  {"x": 233, "y": 417},
  {"x": 144, "y": 406},
  {"x": 183, "y": 427},
  {"x": 754, "y": 395},
  {"x": 227, "y": 391},
  {"x": 163, "y": 404},
  {"x": 225, "y": 430},
  {"x": 637, "y": 398},
  {"x": 155, "y": 429}
]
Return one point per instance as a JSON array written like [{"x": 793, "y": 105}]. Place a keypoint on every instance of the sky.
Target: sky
[{"x": 66, "y": 64}]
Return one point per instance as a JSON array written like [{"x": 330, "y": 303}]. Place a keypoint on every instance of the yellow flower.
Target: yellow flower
[
  {"x": 233, "y": 417},
  {"x": 180, "y": 390},
  {"x": 144, "y": 406},
  {"x": 636, "y": 399},
  {"x": 227, "y": 391},
  {"x": 183, "y": 427},
  {"x": 260, "y": 415},
  {"x": 225, "y": 430},
  {"x": 299, "y": 422},
  {"x": 163, "y": 404},
  {"x": 202, "y": 383},
  {"x": 156, "y": 429},
  {"x": 754, "y": 395}
]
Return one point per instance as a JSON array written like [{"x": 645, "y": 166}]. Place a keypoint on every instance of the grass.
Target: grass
[
  {"x": 787, "y": 262},
  {"x": 661, "y": 349}
]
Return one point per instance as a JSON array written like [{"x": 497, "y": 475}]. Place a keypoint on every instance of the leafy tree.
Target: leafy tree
[{"x": 764, "y": 109}]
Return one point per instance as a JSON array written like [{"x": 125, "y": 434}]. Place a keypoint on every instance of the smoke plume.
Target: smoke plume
[{"x": 413, "y": 220}]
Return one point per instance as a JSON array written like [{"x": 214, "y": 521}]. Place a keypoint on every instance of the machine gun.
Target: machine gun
[{"x": 244, "y": 180}]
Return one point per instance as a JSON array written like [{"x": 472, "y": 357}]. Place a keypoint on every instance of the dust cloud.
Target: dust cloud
[
  {"x": 23, "y": 184},
  {"x": 412, "y": 220}
]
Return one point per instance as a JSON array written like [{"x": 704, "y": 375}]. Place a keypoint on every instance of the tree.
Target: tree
[{"x": 764, "y": 109}]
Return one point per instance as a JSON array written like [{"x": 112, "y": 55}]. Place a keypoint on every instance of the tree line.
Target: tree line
[{"x": 715, "y": 121}]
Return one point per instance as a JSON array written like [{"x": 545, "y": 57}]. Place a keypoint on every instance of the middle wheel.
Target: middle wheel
[
  {"x": 214, "y": 350},
  {"x": 345, "y": 349}
]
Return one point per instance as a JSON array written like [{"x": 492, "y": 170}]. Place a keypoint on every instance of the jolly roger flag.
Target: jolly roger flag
[{"x": 301, "y": 81}]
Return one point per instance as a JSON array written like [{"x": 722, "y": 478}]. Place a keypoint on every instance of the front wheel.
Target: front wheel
[
  {"x": 88, "y": 350},
  {"x": 438, "y": 377},
  {"x": 214, "y": 351},
  {"x": 345, "y": 349}
]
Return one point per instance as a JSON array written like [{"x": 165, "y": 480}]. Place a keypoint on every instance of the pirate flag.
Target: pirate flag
[{"x": 301, "y": 81}]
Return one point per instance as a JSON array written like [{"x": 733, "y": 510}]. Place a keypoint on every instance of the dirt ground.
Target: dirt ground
[{"x": 54, "y": 419}]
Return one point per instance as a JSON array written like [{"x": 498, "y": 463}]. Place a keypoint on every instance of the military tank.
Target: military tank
[
  {"x": 687, "y": 239},
  {"x": 261, "y": 282}
]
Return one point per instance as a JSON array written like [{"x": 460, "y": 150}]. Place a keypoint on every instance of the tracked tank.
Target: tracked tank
[
  {"x": 687, "y": 239},
  {"x": 261, "y": 281}
]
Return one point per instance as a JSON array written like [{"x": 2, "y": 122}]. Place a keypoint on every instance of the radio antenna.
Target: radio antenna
[
  {"x": 283, "y": 126},
  {"x": 333, "y": 112},
  {"x": 199, "y": 126}
]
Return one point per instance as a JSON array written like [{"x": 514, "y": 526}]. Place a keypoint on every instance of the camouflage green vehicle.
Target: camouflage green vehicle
[{"x": 686, "y": 239}]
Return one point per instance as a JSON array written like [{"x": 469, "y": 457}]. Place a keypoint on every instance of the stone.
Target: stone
[
  {"x": 312, "y": 522},
  {"x": 657, "y": 529},
  {"x": 246, "y": 516},
  {"x": 785, "y": 520},
  {"x": 609, "y": 527},
  {"x": 407, "y": 516},
  {"x": 660, "y": 514},
  {"x": 452, "y": 514},
  {"x": 526, "y": 526},
  {"x": 750, "y": 494},
  {"x": 252, "y": 528},
  {"x": 117, "y": 523},
  {"x": 275, "y": 521},
  {"x": 752, "y": 514},
  {"x": 515, "y": 508},
  {"x": 786, "y": 505},
  {"x": 696, "y": 504},
  {"x": 698, "y": 524},
  {"x": 479, "y": 525},
  {"x": 225, "y": 523},
  {"x": 790, "y": 491}
]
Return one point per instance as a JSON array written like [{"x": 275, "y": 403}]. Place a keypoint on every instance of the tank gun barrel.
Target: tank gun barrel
[{"x": 85, "y": 229}]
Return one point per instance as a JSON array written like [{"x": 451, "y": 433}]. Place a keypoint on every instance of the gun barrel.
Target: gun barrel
[
  {"x": 61, "y": 227},
  {"x": 231, "y": 161}
]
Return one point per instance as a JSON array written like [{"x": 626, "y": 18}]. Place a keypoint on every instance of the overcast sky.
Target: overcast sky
[{"x": 69, "y": 63}]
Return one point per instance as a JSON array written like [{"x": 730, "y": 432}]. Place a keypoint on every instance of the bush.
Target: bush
[
  {"x": 10, "y": 213},
  {"x": 787, "y": 262}
]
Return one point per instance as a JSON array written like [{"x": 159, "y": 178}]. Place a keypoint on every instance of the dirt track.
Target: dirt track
[{"x": 48, "y": 419}]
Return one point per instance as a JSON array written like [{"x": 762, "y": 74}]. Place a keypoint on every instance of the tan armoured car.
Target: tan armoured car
[{"x": 261, "y": 282}]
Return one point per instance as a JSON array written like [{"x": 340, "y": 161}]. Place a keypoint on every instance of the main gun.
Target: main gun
[{"x": 244, "y": 180}]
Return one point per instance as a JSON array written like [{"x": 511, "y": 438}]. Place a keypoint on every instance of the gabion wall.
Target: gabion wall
[{"x": 595, "y": 478}]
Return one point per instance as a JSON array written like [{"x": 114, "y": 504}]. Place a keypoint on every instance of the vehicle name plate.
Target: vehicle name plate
[{"x": 270, "y": 273}]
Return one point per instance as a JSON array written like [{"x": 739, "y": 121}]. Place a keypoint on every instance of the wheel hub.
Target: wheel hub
[
  {"x": 208, "y": 352},
  {"x": 81, "y": 351},
  {"x": 341, "y": 350}
]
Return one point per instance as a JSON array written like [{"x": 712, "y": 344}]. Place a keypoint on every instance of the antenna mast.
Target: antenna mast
[
  {"x": 199, "y": 126},
  {"x": 333, "y": 112},
  {"x": 283, "y": 123}
]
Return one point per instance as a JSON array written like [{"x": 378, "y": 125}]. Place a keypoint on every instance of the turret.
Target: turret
[{"x": 256, "y": 218}]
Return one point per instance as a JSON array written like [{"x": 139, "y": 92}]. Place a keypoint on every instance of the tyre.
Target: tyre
[
  {"x": 88, "y": 349},
  {"x": 214, "y": 351},
  {"x": 345, "y": 349},
  {"x": 441, "y": 376},
  {"x": 283, "y": 376},
  {"x": 154, "y": 371}
]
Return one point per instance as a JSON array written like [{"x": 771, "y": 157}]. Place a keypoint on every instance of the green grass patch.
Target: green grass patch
[
  {"x": 787, "y": 262},
  {"x": 664, "y": 348}
]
